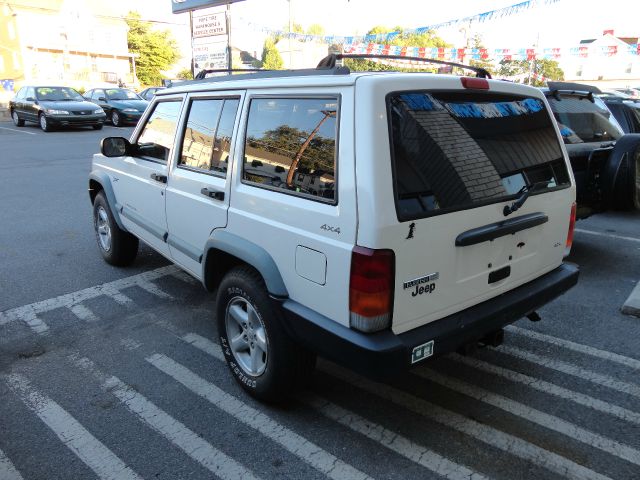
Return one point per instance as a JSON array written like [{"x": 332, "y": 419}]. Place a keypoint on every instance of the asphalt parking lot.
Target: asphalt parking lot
[{"x": 115, "y": 374}]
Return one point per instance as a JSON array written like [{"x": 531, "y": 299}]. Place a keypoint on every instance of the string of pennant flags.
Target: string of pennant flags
[{"x": 460, "y": 54}]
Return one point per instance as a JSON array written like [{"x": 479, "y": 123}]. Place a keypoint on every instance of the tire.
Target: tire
[
  {"x": 620, "y": 179},
  {"x": 262, "y": 357},
  {"x": 115, "y": 118},
  {"x": 17, "y": 121},
  {"x": 97, "y": 127},
  {"x": 44, "y": 123},
  {"x": 116, "y": 246}
]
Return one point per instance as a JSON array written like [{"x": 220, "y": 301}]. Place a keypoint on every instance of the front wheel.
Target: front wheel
[
  {"x": 17, "y": 121},
  {"x": 261, "y": 356},
  {"x": 115, "y": 118},
  {"x": 44, "y": 123},
  {"x": 116, "y": 246}
]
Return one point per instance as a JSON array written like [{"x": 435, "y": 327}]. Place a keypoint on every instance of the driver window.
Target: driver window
[{"x": 158, "y": 134}]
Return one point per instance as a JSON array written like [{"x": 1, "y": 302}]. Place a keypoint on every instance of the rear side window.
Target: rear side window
[
  {"x": 459, "y": 150},
  {"x": 291, "y": 146}
]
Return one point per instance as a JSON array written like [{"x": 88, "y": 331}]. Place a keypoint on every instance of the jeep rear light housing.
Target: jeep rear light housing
[
  {"x": 371, "y": 289},
  {"x": 572, "y": 226}
]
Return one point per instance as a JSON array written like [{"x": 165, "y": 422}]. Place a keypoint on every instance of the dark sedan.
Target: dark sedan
[
  {"x": 54, "y": 107},
  {"x": 119, "y": 104}
]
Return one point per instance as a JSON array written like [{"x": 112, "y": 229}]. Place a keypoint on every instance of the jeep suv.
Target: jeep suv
[{"x": 376, "y": 219}]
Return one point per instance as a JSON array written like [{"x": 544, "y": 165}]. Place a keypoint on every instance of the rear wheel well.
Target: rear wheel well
[
  {"x": 218, "y": 263},
  {"x": 94, "y": 188}
]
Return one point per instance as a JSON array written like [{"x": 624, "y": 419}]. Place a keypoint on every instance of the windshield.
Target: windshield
[
  {"x": 122, "y": 94},
  {"x": 581, "y": 120},
  {"x": 57, "y": 94},
  {"x": 457, "y": 150}
]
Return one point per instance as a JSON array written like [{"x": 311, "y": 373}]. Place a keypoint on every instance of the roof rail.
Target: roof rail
[{"x": 330, "y": 61}]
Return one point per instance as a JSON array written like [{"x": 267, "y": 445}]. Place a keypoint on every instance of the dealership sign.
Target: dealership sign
[
  {"x": 209, "y": 25},
  {"x": 180, "y": 6}
]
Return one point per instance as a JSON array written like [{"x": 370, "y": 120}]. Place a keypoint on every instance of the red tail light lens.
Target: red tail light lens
[
  {"x": 475, "y": 83},
  {"x": 371, "y": 289},
  {"x": 572, "y": 226}
]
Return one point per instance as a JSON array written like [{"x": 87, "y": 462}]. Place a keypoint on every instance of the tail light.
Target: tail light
[
  {"x": 371, "y": 289},
  {"x": 572, "y": 226},
  {"x": 475, "y": 83}
]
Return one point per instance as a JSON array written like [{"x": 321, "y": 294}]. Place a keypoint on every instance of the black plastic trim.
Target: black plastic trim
[
  {"x": 500, "y": 229},
  {"x": 383, "y": 354}
]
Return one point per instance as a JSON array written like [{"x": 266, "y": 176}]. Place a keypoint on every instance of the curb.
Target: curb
[{"x": 632, "y": 305}]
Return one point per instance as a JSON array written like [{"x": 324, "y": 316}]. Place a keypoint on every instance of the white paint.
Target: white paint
[
  {"x": 299, "y": 446},
  {"x": 83, "y": 313},
  {"x": 607, "y": 235},
  {"x": 7, "y": 470},
  {"x": 533, "y": 415},
  {"x": 73, "y": 435},
  {"x": 19, "y": 131},
  {"x": 393, "y": 441},
  {"x": 498, "y": 439},
  {"x": 632, "y": 305},
  {"x": 176, "y": 432},
  {"x": 118, "y": 297},
  {"x": 577, "y": 347},
  {"x": 130, "y": 344},
  {"x": 205, "y": 345},
  {"x": 28, "y": 313},
  {"x": 551, "y": 389},
  {"x": 573, "y": 370},
  {"x": 185, "y": 277}
]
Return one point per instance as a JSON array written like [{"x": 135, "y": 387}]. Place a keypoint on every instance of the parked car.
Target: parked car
[
  {"x": 148, "y": 93},
  {"x": 626, "y": 112},
  {"x": 605, "y": 161},
  {"x": 121, "y": 106},
  {"x": 632, "y": 92},
  {"x": 375, "y": 219},
  {"x": 51, "y": 106}
]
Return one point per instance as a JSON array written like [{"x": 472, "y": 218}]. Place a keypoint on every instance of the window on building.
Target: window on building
[
  {"x": 158, "y": 133},
  {"x": 289, "y": 143}
]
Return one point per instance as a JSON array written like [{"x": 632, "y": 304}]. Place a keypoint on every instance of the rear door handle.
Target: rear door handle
[
  {"x": 215, "y": 194},
  {"x": 159, "y": 177}
]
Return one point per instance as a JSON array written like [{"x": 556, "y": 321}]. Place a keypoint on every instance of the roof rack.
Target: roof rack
[{"x": 330, "y": 61}]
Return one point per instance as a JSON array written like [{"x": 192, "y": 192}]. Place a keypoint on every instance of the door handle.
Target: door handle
[
  {"x": 159, "y": 177},
  {"x": 216, "y": 195}
]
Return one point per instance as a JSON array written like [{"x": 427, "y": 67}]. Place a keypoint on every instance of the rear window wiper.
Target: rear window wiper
[{"x": 524, "y": 194}]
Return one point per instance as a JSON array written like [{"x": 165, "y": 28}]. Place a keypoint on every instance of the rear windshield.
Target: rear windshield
[
  {"x": 459, "y": 150},
  {"x": 581, "y": 120}
]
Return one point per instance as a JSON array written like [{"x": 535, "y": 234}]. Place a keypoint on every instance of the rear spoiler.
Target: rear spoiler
[{"x": 555, "y": 88}]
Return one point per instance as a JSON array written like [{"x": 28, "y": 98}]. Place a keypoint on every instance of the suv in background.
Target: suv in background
[
  {"x": 377, "y": 219},
  {"x": 605, "y": 161}
]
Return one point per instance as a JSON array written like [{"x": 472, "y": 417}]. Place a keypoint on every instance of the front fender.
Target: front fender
[{"x": 104, "y": 181}]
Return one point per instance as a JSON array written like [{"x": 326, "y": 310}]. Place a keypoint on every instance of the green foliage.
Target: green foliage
[
  {"x": 549, "y": 69},
  {"x": 315, "y": 29},
  {"x": 185, "y": 74},
  {"x": 157, "y": 50},
  {"x": 271, "y": 59},
  {"x": 485, "y": 63}
]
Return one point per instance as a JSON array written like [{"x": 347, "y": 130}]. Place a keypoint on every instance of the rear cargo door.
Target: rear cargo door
[{"x": 459, "y": 158}]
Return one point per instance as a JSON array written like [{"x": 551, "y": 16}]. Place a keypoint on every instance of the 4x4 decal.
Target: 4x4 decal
[{"x": 329, "y": 228}]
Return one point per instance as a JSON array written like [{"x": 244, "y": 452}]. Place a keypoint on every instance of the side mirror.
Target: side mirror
[
  {"x": 102, "y": 99},
  {"x": 30, "y": 99},
  {"x": 115, "y": 146}
]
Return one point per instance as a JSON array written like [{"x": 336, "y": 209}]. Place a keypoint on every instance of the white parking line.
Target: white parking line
[
  {"x": 608, "y": 235},
  {"x": 576, "y": 347},
  {"x": 7, "y": 470},
  {"x": 83, "y": 313},
  {"x": 153, "y": 289},
  {"x": 573, "y": 370},
  {"x": 525, "y": 412},
  {"x": 299, "y": 446},
  {"x": 506, "y": 442},
  {"x": 19, "y": 131},
  {"x": 73, "y": 435},
  {"x": 176, "y": 432},
  {"x": 551, "y": 389}
]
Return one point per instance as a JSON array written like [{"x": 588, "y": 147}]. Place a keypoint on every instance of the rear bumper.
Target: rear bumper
[{"x": 382, "y": 354}]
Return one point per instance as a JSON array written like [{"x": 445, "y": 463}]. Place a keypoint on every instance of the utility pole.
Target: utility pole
[{"x": 290, "y": 34}]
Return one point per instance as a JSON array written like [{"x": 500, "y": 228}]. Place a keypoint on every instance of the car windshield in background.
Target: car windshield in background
[
  {"x": 580, "y": 120},
  {"x": 122, "y": 94},
  {"x": 458, "y": 150},
  {"x": 58, "y": 94}
]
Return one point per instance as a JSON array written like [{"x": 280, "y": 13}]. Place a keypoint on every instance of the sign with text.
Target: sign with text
[
  {"x": 210, "y": 25},
  {"x": 180, "y": 6},
  {"x": 210, "y": 55}
]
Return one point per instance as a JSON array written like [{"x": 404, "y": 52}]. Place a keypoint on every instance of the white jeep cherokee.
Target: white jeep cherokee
[{"x": 376, "y": 219}]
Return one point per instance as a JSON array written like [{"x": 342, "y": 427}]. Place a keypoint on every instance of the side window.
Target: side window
[
  {"x": 97, "y": 94},
  {"x": 291, "y": 145},
  {"x": 222, "y": 144},
  {"x": 20, "y": 95},
  {"x": 30, "y": 93},
  {"x": 158, "y": 133}
]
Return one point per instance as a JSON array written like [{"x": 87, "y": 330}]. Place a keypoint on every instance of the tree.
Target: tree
[
  {"x": 315, "y": 29},
  {"x": 156, "y": 50},
  {"x": 485, "y": 63},
  {"x": 549, "y": 69},
  {"x": 185, "y": 74},
  {"x": 271, "y": 59}
]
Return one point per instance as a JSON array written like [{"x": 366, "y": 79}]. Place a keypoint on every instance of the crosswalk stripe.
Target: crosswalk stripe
[
  {"x": 88, "y": 448},
  {"x": 545, "y": 420},
  {"x": 7, "y": 470},
  {"x": 153, "y": 289},
  {"x": 83, "y": 313},
  {"x": 550, "y": 388},
  {"x": 577, "y": 347},
  {"x": 484, "y": 433},
  {"x": 299, "y": 446},
  {"x": 396, "y": 442},
  {"x": 176, "y": 432},
  {"x": 117, "y": 296},
  {"x": 36, "y": 324},
  {"x": 572, "y": 370}
]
